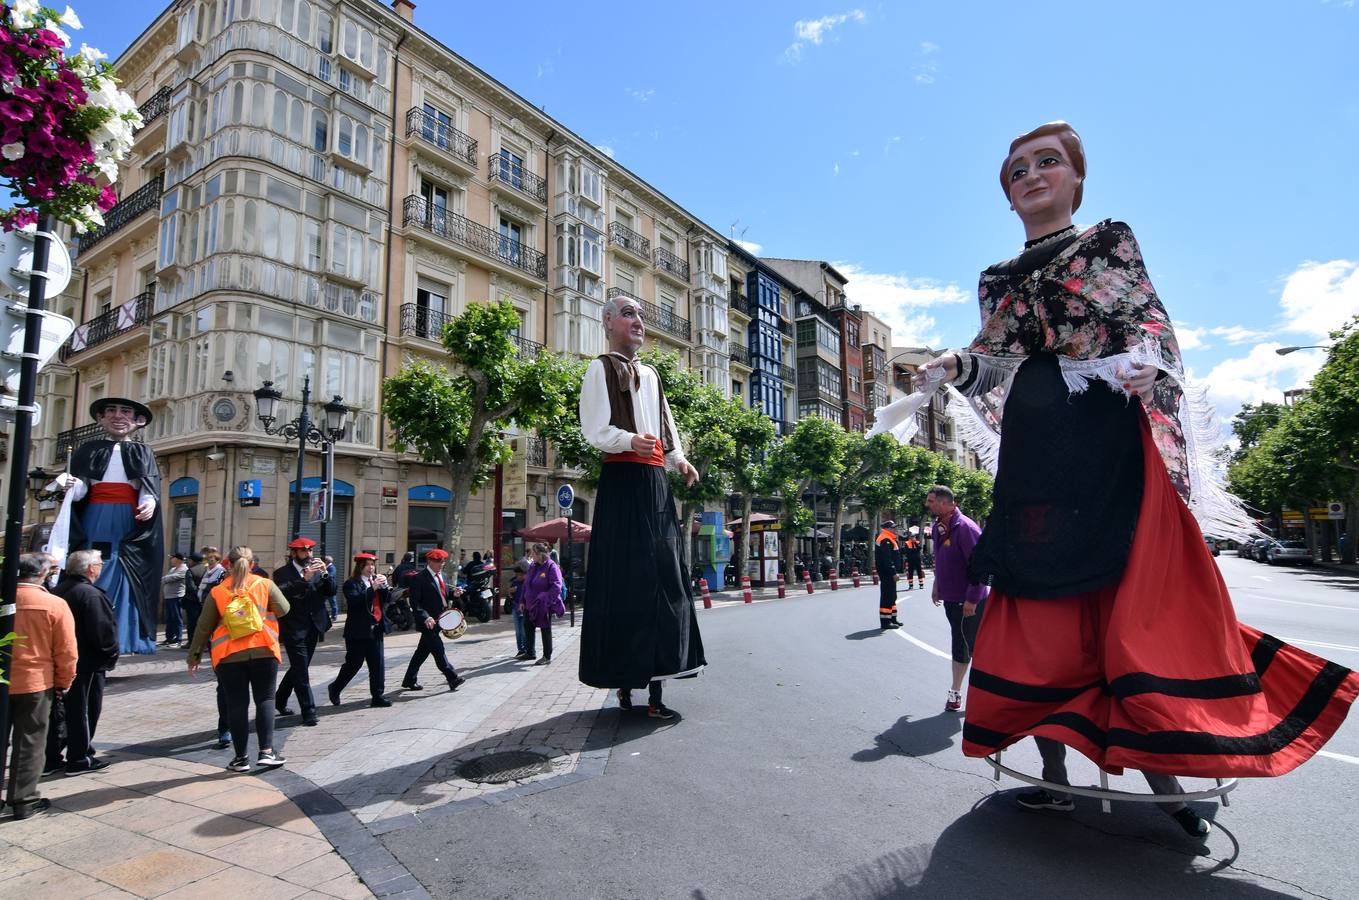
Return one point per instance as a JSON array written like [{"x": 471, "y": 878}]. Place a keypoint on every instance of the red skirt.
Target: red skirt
[{"x": 1154, "y": 672}]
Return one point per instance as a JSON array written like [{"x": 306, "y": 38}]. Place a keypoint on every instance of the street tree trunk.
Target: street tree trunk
[
  {"x": 875, "y": 520},
  {"x": 1347, "y": 555},
  {"x": 835, "y": 532},
  {"x": 746, "y": 502}
]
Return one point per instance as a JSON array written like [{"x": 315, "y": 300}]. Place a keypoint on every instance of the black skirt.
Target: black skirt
[{"x": 639, "y": 624}]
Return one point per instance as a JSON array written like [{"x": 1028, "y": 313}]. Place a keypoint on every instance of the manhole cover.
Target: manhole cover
[{"x": 498, "y": 768}]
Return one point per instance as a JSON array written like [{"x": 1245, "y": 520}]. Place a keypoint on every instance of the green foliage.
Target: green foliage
[{"x": 5, "y": 641}]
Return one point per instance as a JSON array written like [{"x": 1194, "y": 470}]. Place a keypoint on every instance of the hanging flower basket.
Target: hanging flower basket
[{"x": 64, "y": 124}]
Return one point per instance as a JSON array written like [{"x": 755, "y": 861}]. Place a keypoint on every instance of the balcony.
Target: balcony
[
  {"x": 741, "y": 304},
  {"x": 788, "y": 373},
  {"x": 521, "y": 180},
  {"x": 420, "y": 213},
  {"x": 106, "y": 326},
  {"x": 622, "y": 236},
  {"x": 668, "y": 263},
  {"x": 423, "y": 322},
  {"x": 153, "y": 109},
  {"x": 129, "y": 208},
  {"x": 656, "y": 317},
  {"x": 461, "y": 147},
  {"x": 526, "y": 348},
  {"x": 67, "y": 441},
  {"x": 536, "y": 451},
  {"x": 739, "y": 355}
]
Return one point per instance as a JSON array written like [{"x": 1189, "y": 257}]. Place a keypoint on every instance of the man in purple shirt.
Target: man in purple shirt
[{"x": 954, "y": 537}]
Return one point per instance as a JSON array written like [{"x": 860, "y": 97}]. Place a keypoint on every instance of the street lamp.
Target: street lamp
[
  {"x": 37, "y": 486},
  {"x": 303, "y": 431},
  {"x": 1284, "y": 351}
]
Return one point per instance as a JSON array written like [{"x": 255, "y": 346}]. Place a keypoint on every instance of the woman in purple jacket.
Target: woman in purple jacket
[{"x": 542, "y": 600}]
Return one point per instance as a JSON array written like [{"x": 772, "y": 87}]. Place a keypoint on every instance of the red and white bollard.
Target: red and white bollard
[
  {"x": 783, "y": 581},
  {"x": 835, "y": 579},
  {"x": 809, "y": 581},
  {"x": 856, "y": 576},
  {"x": 745, "y": 589},
  {"x": 707, "y": 597}
]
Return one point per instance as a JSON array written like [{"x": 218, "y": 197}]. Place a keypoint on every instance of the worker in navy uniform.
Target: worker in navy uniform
[
  {"x": 112, "y": 505},
  {"x": 307, "y": 586},
  {"x": 431, "y": 592},
  {"x": 365, "y": 596},
  {"x": 887, "y": 560}
]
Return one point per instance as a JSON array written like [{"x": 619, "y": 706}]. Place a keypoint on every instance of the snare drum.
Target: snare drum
[{"x": 452, "y": 623}]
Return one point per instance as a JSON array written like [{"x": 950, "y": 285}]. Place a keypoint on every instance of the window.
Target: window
[
  {"x": 852, "y": 332},
  {"x": 344, "y": 142},
  {"x": 511, "y": 168},
  {"x": 855, "y": 379},
  {"x": 435, "y": 206},
  {"x": 325, "y": 32},
  {"x": 511, "y": 234},
  {"x": 437, "y": 127}
]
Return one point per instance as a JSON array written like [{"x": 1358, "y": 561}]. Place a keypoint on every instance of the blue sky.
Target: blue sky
[{"x": 871, "y": 135}]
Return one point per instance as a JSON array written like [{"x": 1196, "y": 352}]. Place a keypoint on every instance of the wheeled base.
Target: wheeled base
[{"x": 1104, "y": 794}]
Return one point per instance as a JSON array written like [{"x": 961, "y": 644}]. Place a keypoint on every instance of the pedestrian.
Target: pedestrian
[
  {"x": 113, "y": 501},
  {"x": 404, "y": 570},
  {"x": 365, "y": 596},
  {"x": 42, "y": 666},
  {"x": 1108, "y": 627},
  {"x": 542, "y": 601},
  {"x": 429, "y": 595},
  {"x": 911, "y": 549},
  {"x": 517, "y": 606},
  {"x": 472, "y": 567},
  {"x": 954, "y": 536},
  {"x": 97, "y": 644},
  {"x": 639, "y": 627},
  {"x": 173, "y": 586},
  {"x": 308, "y": 587},
  {"x": 242, "y": 626},
  {"x": 332, "y": 604},
  {"x": 192, "y": 604},
  {"x": 885, "y": 559}
]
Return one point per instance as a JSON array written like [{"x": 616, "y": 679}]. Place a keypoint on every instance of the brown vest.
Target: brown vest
[{"x": 621, "y": 380}]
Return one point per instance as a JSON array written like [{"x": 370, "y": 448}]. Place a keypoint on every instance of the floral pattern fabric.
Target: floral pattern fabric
[{"x": 1092, "y": 300}]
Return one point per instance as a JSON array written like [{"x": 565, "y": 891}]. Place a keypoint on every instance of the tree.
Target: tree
[
  {"x": 910, "y": 473},
  {"x": 1252, "y": 423},
  {"x": 814, "y": 451},
  {"x": 455, "y": 416},
  {"x": 863, "y": 458},
  {"x": 752, "y": 435}
]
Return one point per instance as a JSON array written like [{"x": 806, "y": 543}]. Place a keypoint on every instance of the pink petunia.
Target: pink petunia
[
  {"x": 15, "y": 111},
  {"x": 44, "y": 38},
  {"x": 108, "y": 198}
]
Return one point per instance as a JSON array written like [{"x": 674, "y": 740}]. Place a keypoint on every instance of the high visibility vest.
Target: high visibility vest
[
  {"x": 223, "y": 645},
  {"x": 912, "y": 544},
  {"x": 886, "y": 535}
]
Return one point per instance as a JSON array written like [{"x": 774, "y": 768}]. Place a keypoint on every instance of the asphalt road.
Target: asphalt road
[{"x": 813, "y": 759}]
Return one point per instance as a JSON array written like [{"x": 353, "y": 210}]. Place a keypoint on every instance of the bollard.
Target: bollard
[
  {"x": 856, "y": 576},
  {"x": 745, "y": 589},
  {"x": 835, "y": 579},
  {"x": 707, "y": 597},
  {"x": 783, "y": 582},
  {"x": 875, "y": 576},
  {"x": 809, "y": 582}
]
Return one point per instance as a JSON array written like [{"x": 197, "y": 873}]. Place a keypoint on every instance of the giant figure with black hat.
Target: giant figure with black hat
[
  {"x": 639, "y": 627},
  {"x": 112, "y": 505}
]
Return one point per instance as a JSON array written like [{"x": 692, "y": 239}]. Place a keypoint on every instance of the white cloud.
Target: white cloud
[
  {"x": 903, "y": 302},
  {"x": 605, "y": 149},
  {"x": 814, "y": 31},
  {"x": 929, "y": 47},
  {"x": 1320, "y": 297},
  {"x": 642, "y": 96},
  {"x": 887, "y": 147},
  {"x": 750, "y": 247},
  {"x": 924, "y": 73},
  {"x": 835, "y": 170},
  {"x": 546, "y": 68},
  {"x": 1190, "y": 338},
  {"x": 1259, "y": 376}
]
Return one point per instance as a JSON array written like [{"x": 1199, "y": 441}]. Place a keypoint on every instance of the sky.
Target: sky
[{"x": 871, "y": 136}]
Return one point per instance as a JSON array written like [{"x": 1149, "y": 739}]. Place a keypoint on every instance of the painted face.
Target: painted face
[
  {"x": 626, "y": 328},
  {"x": 118, "y": 421},
  {"x": 1041, "y": 178}
]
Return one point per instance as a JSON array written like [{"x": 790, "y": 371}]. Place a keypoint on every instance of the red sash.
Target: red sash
[
  {"x": 113, "y": 492},
  {"x": 657, "y": 457}
]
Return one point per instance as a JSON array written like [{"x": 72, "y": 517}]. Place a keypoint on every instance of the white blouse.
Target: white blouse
[{"x": 646, "y": 411}]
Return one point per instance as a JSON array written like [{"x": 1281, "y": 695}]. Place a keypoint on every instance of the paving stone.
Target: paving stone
[
  {"x": 233, "y": 883},
  {"x": 97, "y": 849},
  {"x": 149, "y": 814},
  {"x": 323, "y": 868},
  {"x": 206, "y": 831},
  {"x": 272, "y": 852},
  {"x": 51, "y": 883},
  {"x": 16, "y": 861},
  {"x": 159, "y": 871}
]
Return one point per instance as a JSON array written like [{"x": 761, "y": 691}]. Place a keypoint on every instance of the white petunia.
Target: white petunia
[
  {"x": 12, "y": 151},
  {"x": 93, "y": 54},
  {"x": 70, "y": 19},
  {"x": 61, "y": 35}
]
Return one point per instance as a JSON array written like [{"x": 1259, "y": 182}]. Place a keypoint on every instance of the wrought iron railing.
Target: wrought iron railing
[
  {"x": 656, "y": 316},
  {"x": 629, "y": 240},
  {"x": 519, "y": 178},
  {"x": 130, "y": 207},
  {"x": 461, "y": 230},
  {"x": 428, "y": 128},
  {"x": 527, "y": 348},
  {"x": 669, "y": 262},
  {"x": 155, "y": 107},
  {"x": 423, "y": 322},
  {"x": 67, "y": 441},
  {"x": 740, "y": 303},
  {"x": 536, "y": 450},
  {"x": 788, "y": 373},
  {"x": 106, "y": 326},
  {"x": 739, "y": 354}
]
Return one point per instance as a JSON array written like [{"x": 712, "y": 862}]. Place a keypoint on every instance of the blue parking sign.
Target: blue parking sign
[{"x": 248, "y": 492}]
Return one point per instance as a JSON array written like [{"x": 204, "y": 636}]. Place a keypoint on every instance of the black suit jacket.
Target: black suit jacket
[
  {"x": 306, "y": 599},
  {"x": 95, "y": 626},
  {"x": 425, "y": 598},
  {"x": 358, "y": 604}
]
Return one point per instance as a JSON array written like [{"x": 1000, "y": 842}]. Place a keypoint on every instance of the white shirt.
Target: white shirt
[
  {"x": 113, "y": 473},
  {"x": 646, "y": 412}
]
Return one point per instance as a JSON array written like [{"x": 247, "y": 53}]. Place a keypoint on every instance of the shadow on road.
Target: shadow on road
[
  {"x": 920, "y": 737},
  {"x": 999, "y": 850},
  {"x": 865, "y": 634}
]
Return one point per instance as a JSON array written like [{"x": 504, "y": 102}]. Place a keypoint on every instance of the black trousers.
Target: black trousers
[
  {"x": 240, "y": 681},
  {"x": 914, "y": 569},
  {"x": 1054, "y": 770},
  {"x": 431, "y": 644},
  {"x": 300, "y": 647},
  {"x": 887, "y": 597},
  {"x": 358, "y": 653},
  {"x": 530, "y": 635},
  {"x": 28, "y": 719},
  {"x": 963, "y": 629},
  {"x": 83, "y": 704}
]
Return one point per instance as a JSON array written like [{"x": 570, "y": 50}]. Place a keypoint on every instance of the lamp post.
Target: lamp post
[
  {"x": 1284, "y": 351},
  {"x": 302, "y": 429}
]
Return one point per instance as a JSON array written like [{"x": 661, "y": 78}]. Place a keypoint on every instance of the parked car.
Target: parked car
[
  {"x": 1212, "y": 545},
  {"x": 1289, "y": 553},
  {"x": 1259, "y": 548},
  {"x": 1243, "y": 549}
]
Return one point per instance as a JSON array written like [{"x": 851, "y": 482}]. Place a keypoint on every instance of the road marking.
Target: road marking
[
  {"x": 1289, "y": 640},
  {"x": 924, "y": 646},
  {"x": 1262, "y": 577},
  {"x": 1263, "y": 596},
  {"x": 1352, "y": 760}
]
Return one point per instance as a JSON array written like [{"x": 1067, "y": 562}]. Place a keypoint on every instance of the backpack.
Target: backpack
[{"x": 242, "y": 616}]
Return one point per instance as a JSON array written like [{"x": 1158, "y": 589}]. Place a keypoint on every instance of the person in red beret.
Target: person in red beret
[
  {"x": 307, "y": 586},
  {"x": 365, "y": 595},
  {"x": 430, "y": 594}
]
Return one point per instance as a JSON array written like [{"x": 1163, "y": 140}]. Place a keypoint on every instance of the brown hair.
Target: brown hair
[
  {"x": 240, "y": 559},
  {"x": 360, "y": 565},
  {"x": 1071, "y": 144},
  {"x": 541, "y": 548}
]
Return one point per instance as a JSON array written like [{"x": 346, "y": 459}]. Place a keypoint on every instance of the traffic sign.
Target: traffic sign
[
  {"x": 248, "y": 492},
  {"x": 316, "y": 507},
  {"x": 16, "y": 262},
  {"x": 1335, "y": 510},
  {"x": 566, "y": 495}
]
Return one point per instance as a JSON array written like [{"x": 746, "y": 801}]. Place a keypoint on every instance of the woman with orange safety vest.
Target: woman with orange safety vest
[{"x": 241, "y": 625}]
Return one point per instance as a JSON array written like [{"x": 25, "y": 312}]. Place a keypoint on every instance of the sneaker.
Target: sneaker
[
  {"x": 269, "y": 760},
  {"x": 523, "y": 655},
  {"x": 659, "y": 711},
  {"x": 334, "y": 694},
  {"x": 1041, "y": 799},
  {"x": 624, "y": 698},
  {"x": 223, "y": 742},
  {"x": 239, "y": 764},
  {"x": 955, "y": 702},
  {"x": 85, "y": 768},
  {"x": 1193, "y": 824},
  {"x": 544, "y": 661},
  {"x": 30, "y": 808},
  {"x": 53, "y": 768}
]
